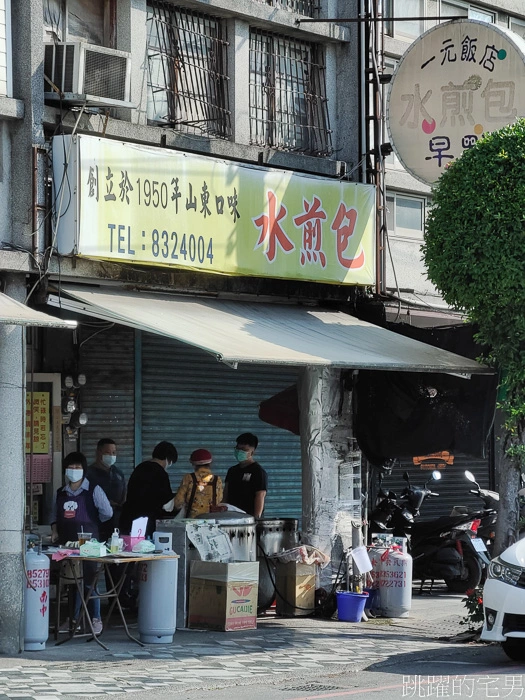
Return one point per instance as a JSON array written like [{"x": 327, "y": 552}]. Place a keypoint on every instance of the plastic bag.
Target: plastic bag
[
  {"x": 93, "y": 548},
  {"x": 143, "y": 547},
  {"x": 305, "y": 554}
]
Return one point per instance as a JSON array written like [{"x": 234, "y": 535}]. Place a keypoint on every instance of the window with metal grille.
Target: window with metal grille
[
  {"x": 309, "y": 8},
  {"x": 187, "y": 84},
  {"x": 288, "y": 103}
]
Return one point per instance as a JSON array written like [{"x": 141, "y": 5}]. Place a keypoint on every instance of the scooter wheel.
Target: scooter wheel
[
  {"x": 470, "y": 579},
  {"x": 514, "y": 648}
]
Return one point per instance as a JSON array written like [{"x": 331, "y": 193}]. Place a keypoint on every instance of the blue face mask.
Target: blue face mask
[
  {"x": 109, "y": 460},
  {"x": 241, "y": 455}
]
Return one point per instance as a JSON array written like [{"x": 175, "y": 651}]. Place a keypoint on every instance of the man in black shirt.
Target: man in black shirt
[{"x": 247, "y": 482}]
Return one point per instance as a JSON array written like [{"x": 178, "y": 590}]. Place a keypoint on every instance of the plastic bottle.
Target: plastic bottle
[{"x": 114, "y": 544}]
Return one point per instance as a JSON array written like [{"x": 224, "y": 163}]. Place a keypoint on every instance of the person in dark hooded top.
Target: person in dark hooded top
[{"x": 149, "y": 491}]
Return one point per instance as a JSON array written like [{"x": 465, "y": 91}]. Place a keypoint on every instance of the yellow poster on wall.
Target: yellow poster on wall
[
  {"x": 154, "y": 206},
  {"x": 37, "y": 429}
]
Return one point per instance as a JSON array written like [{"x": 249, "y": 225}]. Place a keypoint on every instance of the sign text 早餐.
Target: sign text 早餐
[{"x": 149, "y": 206}]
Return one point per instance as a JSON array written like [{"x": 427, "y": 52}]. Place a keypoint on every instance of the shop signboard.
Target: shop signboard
[
  {"x": 38, "y": 449},
  {"x": 37, "y": 422},
  {"x": 436, "y": 460},
  {"x": 143, "y": 205},
  {"x": 458, "y": 81}
]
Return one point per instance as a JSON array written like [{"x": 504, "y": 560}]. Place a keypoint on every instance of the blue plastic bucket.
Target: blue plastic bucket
[{"x": 350, "y": 606}]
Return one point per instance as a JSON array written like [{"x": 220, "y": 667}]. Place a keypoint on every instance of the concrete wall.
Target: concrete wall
[
  {"x": 12, "y": 474},
  {"x": 326, "y": 445}
]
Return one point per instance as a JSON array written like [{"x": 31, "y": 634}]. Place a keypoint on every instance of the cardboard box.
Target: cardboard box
[
  {"x": 223, "y": 596},
  {"x": 296, "y": 584}
]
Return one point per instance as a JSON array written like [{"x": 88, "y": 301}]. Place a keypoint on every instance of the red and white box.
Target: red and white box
[{"x": 223, "y": 596}]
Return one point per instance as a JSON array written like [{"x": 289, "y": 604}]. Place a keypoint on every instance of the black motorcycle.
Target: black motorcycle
[{"x": 441, "y": 548}]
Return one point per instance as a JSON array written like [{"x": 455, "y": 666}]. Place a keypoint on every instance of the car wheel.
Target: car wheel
[
  {"x": 514, "y": 648},
  {"x": 470, "y": 579}
]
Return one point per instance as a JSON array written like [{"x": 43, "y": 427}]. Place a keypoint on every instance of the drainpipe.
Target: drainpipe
[{"x": 38, "y": 205}]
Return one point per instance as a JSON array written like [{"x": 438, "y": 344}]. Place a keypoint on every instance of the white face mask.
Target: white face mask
[
  {"x": 109, "y": 460},
  {"x": 74, "y": 475}
]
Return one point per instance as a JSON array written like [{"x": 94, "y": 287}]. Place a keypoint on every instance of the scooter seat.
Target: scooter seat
[{"x": 445, "y": 522}]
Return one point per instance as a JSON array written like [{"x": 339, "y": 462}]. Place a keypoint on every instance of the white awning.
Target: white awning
[
  {"x": 15, "y": 313},
  {"x": 241, "y": 332}
]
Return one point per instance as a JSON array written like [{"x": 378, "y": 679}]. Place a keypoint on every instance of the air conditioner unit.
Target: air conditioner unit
[{"x": 87, "y": 75}]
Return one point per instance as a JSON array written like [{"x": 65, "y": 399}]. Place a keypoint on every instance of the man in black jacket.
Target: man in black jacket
[
  {"x": 149, "y": 489},
  {"x": 111, "y": 480}
]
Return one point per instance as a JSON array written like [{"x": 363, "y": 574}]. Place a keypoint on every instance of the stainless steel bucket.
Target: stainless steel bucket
[
  {"x": 274, "y": 535},
  {"x": 241, "y": 531}
]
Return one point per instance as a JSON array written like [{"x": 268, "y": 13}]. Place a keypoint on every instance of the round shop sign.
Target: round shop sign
[{"x": 456, "y": 82}]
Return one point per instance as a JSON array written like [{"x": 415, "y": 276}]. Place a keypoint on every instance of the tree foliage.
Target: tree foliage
[
  {"x": 475, "y": 248},
  {"x": 475, "y": 254}
]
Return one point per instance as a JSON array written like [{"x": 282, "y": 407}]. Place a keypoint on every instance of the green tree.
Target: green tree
[{"x": 475, "y": 254}]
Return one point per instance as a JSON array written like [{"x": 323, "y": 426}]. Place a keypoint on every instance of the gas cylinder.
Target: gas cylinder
[
  {"x": 375, "y": 553},
  {"x": 158, "y": 601},
  {"x": 36, "y": 601},
  {"x": 395, "y": 583}
]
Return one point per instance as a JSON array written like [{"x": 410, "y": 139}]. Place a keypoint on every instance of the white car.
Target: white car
[{"x": 504, "y": 602}]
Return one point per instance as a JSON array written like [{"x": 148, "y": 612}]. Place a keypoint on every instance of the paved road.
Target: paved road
[
  {"x": 478, "y": 672},
  {"x": 284, "y": 658}
]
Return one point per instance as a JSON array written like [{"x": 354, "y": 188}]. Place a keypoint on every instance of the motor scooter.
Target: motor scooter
[
  {"x": 504, "y": 602},
  {"x": 488, "y": 517},
  {"x": 441, "y": 548}
]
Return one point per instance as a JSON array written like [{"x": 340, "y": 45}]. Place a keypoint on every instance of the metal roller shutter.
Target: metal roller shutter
[
  {"x": 108, "y": 361},
  {"x": 453, "y": 487},
  {"x": 194, "y": 401}
]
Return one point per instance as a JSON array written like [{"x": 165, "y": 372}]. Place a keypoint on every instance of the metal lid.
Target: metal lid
[
  {"x": 228, "y": 518},
  {"x": 278, "y": 522}
]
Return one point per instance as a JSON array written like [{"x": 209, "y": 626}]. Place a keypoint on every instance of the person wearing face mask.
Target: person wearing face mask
[
  {"x": 111, "y": 480},
  {"x": 149, "y": 490},
  {"x": 80, "y": 506},
  {"x": 247, "y": 482}
]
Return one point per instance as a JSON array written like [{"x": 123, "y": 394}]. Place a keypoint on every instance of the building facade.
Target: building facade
[
  {"x": 412, "y": 298},
  {"x": 237, "y": 83},
  {"x": 130, "y": 110}
]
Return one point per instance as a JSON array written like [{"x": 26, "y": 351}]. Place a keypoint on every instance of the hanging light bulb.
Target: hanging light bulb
[{"x": 78, "y": 419}]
